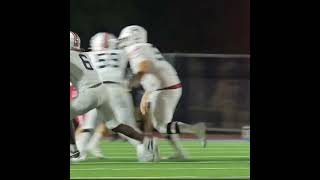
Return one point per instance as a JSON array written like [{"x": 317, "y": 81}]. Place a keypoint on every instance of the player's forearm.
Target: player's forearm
[
  {"x": 148, "y": 127},
  {"x": 144, "y": 105}
]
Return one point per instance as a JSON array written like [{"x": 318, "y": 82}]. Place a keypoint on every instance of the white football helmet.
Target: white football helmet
[
  {"x": 74, "y": 41},
  {"x": 131, "y": 35},
  {"x": 102, "y": 41}
]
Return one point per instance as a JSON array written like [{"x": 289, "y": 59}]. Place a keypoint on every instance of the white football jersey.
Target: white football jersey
[
  {"x": 82, "y": 74},
  {"x": 163, "y": 70},
  {"x": 110, "y": 64}
]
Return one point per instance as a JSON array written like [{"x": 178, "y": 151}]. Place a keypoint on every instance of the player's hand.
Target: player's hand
[
  {"x": 144, "y": 103},
  {"x": 143, "y": 107}
]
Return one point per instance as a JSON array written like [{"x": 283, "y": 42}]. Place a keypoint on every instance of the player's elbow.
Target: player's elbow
[{"x": 145, "y": 67}]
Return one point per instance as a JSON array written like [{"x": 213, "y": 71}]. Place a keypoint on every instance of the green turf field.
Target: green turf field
[{"x": 221, "y": 159}]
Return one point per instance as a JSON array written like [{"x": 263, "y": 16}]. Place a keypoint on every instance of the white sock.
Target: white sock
[
  {"x": 83, "y": 140},
  {"x": 175, "y": 144},
  {"x": 185, "y": 128},
  {"x": 73, "y": 148},
  {"x": 94, "y": 141}
]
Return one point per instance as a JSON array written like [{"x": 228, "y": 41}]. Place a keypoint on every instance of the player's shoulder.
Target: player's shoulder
[
  {"x": 72, "y": 52},
  {"x": 77, "y": 53},
  {"x": 115, "y": 51},
  {"x": 74, "y": 55},
  {"x": 92, "y": 53}
]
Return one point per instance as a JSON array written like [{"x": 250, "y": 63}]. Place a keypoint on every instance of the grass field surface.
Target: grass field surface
[{"x": 219, "y": 160}]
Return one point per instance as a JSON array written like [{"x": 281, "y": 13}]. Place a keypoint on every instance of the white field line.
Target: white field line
[
  {"x": 125, "y": 143},
  {"x": 126, "y": 157},
  {"x": 208, "y": 147},
  {"x": 177, "y": 162},
  {"x": 169, "y": 152},
  {"x": 188, "y": 140},
  {"x": 168, "y": 145},
  {"x": 165, "y": 177},
  {"x": 161, "y": 168}
]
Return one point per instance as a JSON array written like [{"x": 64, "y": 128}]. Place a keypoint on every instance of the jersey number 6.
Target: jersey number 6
[{"x": 85, "y": 62}]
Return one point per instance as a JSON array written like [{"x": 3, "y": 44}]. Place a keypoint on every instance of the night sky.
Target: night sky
[{"x": 199, "y": 26}]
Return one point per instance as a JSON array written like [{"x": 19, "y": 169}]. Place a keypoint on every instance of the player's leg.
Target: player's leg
[
  {"x": 161, "y": 113},
  {"x": 93, "y": 145},
  {"x": 122, "y": 107},
  {"x": 163, "y": 107},
  {"x": 87, "y": 130},
  {"x": 136, "y": 94},
  {"x": 147, "y": 147},
  {"x": 74, "y": 152},
  {"x": 172, "y": 98},
  {"x": 148, "y": 144},
  {"x": 85, "y": 101}
]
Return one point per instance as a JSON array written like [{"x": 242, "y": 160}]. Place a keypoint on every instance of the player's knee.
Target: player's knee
[{"x": 173, "y": 128}]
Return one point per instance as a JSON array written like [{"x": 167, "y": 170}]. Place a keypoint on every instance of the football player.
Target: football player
[
  {"x": 92, "y": 93},
  {"x": 111, "y": 64},
  {"x": 162, "y": 86}
]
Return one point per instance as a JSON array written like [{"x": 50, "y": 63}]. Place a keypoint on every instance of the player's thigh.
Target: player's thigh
[
  {"x": 122, "y": 105},
  {"x": 157, "y": 112},
  {"x": 164, "y": 106},
  {"x": 107, "y": 115},
  {"x": 84, "y": 102},
  {"x": 173, "y": 97},
  {"x": 91, "y": 120}
]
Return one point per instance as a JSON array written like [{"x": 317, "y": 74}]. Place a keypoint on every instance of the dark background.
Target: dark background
[{"x": 215, "y": 26}]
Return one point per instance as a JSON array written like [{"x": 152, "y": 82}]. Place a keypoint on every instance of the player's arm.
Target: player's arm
[
  {"x": 144, "y": 67},
  {"x": 149, "y": 83}
]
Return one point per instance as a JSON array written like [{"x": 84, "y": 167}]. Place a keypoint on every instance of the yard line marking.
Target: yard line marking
[
  {"x": 130, "y": 157},
  {"x": 223, "y": 141},
  {"x": 126, "y": 157},
  {"x": 132, "y": 149},
  {"x": 176, "y": 162},
  {"x": 167, "y": 144},
  {"x": 187, "y": 145},
  {"x": 208, "y": 147},
  {"x": 169, "y": 152},
  {"x": 161, "y": 168},
  {"x": 164, "y": 177}
]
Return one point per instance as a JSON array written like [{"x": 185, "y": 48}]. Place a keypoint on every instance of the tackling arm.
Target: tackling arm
[{"x": 144, "y": 68}]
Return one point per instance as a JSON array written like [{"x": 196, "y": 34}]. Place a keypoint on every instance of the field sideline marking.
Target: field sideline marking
[
  {"x": 181, "y": 162},
  {"x": 163, "y": 177},
  {"x": 169, "y": 152},
  {"x": 208, "y": 147},
  {"x": 125, "y": 144},
  {"x": 161, "y": 168},
  {"x": 128, "y": 157}
]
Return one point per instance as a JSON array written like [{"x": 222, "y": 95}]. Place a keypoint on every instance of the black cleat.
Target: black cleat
[{"x": 74, "y": 154}]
